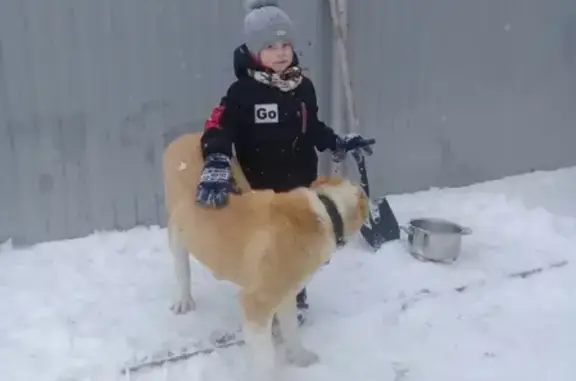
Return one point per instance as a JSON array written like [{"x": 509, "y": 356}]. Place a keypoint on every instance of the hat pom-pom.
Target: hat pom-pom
[{"x": 256, "y": 4}]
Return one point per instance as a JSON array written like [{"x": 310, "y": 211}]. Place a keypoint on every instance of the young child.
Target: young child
[{"x": 269, "y": 115}]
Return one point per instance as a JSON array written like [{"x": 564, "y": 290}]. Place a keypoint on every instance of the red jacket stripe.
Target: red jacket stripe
[{"x": 214, "y": 119}]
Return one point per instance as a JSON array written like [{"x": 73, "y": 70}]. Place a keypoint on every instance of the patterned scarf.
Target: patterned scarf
[{"x": 286, "y": 81}]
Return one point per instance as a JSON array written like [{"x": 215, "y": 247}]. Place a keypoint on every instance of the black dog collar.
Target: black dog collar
[{"x": 335, "y": 217}]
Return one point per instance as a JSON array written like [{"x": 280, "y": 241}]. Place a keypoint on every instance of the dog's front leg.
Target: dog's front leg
[
  {"x": 288, "y": 322},
  {"x": 184, "y": 302}
]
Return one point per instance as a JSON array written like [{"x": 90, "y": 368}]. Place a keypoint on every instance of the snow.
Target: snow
[{"x": 80, "y": 309}]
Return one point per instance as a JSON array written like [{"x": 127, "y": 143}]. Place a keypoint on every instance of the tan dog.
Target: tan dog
[{"x": 269, "y": 244}]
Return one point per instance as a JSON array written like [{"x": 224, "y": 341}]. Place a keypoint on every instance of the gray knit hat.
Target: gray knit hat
[{"x": 265, "y": 23}]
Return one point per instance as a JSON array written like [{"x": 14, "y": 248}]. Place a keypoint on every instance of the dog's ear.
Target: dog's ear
[
  {"x": 336, "y": 180},
  {"x": 320, "y": 180},
  {"x": 363, "y": 204},
  {"x": 327, "y": 180}
]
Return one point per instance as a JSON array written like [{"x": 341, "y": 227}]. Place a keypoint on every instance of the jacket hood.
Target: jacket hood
[{"x": 243, "y": 61}]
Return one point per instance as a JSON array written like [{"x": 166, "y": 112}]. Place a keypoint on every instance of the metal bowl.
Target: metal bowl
[{"x": 435, "y": 239}]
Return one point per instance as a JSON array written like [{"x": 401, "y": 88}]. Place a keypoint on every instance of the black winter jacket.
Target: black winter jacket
[{"x": 274, "y": 133}]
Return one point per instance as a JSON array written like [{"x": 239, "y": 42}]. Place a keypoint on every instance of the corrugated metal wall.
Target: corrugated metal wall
[
  {"x": 459, "y": 91},
  {"x": 455, "y": 91},
  {"x": 90, "y": 89}
]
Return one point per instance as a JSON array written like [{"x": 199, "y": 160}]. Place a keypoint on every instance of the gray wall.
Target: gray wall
[
  {"x": 455, "y": 92},
  {"x": 459, "y": 91}
]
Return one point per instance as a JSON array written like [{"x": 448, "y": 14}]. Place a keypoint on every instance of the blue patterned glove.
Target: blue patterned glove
[
  {"x": 352, "y": 142},
  {"x": 216, "y": 182}
]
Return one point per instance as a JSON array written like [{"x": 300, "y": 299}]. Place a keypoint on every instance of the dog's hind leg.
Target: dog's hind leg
[
  {"x": 184, "y": 301},
  {"x": 257, "y": 331},
  {"x": 287, "y": 316}
]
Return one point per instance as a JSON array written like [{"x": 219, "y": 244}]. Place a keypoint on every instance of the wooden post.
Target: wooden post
[
  {"x": 338, "y": 106},
  {"x": 343, "y": 17},
  {"x": 336, "y": 101},
  {"x": 338, "y": 13}
]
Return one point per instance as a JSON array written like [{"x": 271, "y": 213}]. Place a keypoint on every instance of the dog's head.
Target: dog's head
[{"x": 350, "y": 199}]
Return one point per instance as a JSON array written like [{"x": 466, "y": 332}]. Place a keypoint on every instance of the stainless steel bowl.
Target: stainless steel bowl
[{"x": 435, "y": 239}]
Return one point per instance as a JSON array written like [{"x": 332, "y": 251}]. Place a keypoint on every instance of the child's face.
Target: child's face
[{"x": 277, "y": 56}]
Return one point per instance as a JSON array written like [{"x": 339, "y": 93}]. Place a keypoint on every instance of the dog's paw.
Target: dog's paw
[
  {"x": 301, "y": 357},
  {"x": 183, "y": 306}
]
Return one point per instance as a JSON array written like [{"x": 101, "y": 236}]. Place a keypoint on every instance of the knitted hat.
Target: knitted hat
[{"x": 264, "y": 24}]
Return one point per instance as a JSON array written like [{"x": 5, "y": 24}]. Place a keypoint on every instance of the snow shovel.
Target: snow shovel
[{"x": 381, "y": 225}]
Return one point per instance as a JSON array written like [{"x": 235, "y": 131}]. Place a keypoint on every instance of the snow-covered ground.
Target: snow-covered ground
[{"x": 80, "y": 309}]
